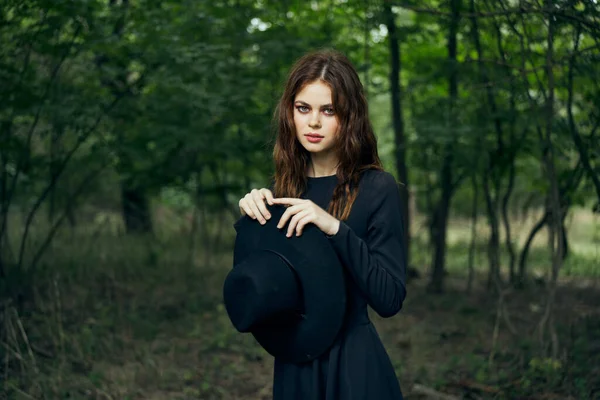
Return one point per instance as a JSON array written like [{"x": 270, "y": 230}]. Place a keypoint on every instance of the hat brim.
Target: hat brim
[{"x": 304, "y": 337}]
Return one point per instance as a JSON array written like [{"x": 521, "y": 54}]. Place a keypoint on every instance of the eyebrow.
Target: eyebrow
[{"x": 328, "y": 105}]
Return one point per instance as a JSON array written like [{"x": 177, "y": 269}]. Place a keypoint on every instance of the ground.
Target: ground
[{"x": 138, "y": 321}]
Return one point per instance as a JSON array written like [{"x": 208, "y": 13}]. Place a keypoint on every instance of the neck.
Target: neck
[{"x": 322, "y": 165}]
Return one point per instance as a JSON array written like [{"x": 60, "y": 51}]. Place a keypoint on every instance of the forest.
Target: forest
[{"x": 130, "y": 129}]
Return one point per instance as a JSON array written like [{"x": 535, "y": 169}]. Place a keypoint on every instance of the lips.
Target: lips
[
  {"x": 314, "y": 135},
  {"x": 313, "y": 138}
]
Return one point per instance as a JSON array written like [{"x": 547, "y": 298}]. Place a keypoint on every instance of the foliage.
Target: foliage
[{"x": 168, "y": 106}]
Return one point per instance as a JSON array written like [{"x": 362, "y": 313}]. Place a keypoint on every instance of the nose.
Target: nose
[{"x": 315, "y": 121}]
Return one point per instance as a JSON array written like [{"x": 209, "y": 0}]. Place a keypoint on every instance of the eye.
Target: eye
[
  {"x": 329, "y": 111},
  {"x": 302, "y": 109}
]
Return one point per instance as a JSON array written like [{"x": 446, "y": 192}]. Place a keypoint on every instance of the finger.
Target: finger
[
  {"x": 302, "y": 223},
  {"x": 256, "y": 194},
  {"x": 255, "y": 211},
  {"x": 268, "y": 195},
  {"x": 259, "y": 200},
  {"x": 242, "y": 211},
  {"x": 294, "y": 222},
  {"x": 245, "y": 206},
  {"x": 248, "y": 211},
  {"x": 288, "y": 200},
  {"x": 287, "y": 214}
]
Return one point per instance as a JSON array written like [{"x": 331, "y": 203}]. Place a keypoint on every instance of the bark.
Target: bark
[
  {"x": 136, "y": 209},
  {"x": 54, "y": 150},
  {"x": 436, "y": 283},
  {"x": 8, "y": 185},
  {"x": 569, "y": 188},
  {"x": 515, "y": 144},
  {"x": 198, "y": 196},
  {"x": 398, "y": 121},
  {"x": 474, "y": 213},
  {"x": 429, "y": 204},
  {"x": 494, "y": 239},
  {"x": 494, "y": 162},
  {"x": 555, "y": 223},
  {"x": 192, "y": 239},
  {"x": 506, "y": 220},
  {"x": 4, "y": 205},
  {"x": 521, "y": 277},
  {"x": 135, "y": 204}
]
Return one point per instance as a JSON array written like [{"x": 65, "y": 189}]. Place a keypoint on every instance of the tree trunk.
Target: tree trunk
[
  {"x": 493, "y": 247},
  {"x": 54, "y": 157},
  {"x": 506, "y": 220},
  {"x": 2, "y": 267},
  {"x": 4, "y": 205},
  {"x": 521, "y": 277},
  {"x": 472, "y": 246},
  {"x": 398, "y": 121},
  {"x": 136, "y": 209},
  {"x": 555, "y": 221},
  {"x": 515, "y": 144},
  {"x": 494, "y": 161},
  {"x": 198, "y": 195},
  {"x": 565, "y": 239},
  {"x": 436, "y": 284},
  {"x": 135, "y": 205}
]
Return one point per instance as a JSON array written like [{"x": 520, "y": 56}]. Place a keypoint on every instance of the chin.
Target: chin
[{"x": 313, "y": 147}]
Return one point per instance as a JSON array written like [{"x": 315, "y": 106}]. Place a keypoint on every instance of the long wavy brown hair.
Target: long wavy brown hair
[{"x": 356, "y": 144}]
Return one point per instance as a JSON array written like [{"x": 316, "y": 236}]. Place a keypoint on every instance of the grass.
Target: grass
[
  {"x": 114, "y": 317},
  {"x": 583, "y": 232}
]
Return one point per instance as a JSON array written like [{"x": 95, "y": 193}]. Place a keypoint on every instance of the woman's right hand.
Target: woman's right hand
[{"x": 253, "y": 204}]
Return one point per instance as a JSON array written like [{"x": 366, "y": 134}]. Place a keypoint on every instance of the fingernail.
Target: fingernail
[{"x": 268, "y": 216}]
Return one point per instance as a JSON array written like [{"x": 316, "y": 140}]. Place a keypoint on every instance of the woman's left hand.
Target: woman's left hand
[{"x": 303, "y": 212}]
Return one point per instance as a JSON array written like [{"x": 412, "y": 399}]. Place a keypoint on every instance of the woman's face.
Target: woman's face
[{"x": 315, "y": 119}]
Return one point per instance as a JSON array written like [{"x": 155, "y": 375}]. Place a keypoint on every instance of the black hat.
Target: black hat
[{"x": 288, "y": 292}]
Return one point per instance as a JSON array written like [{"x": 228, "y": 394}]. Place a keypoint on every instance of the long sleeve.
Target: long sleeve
[{"x": 377, "y": 264}]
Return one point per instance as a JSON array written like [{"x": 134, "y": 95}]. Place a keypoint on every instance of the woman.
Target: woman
[{"x": 328, "y": 172}]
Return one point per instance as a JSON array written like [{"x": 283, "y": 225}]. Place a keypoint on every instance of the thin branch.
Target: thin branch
[
  {"x": 527, "y": 38},
  {"x": 22, "y": 160},
  {"x": 506, "y": 12},
  {"x": 565, "y": 59},
  {"x": 38, "y": 113},
  {"x": 83, "y": 137},
  {"x": 73, "y": 196},
  {"x": 5, "y": 195},
  {"x": 571, "y": 119}
]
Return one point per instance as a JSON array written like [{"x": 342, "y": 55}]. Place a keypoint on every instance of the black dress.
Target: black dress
[{"x": 370, "y": 246}]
